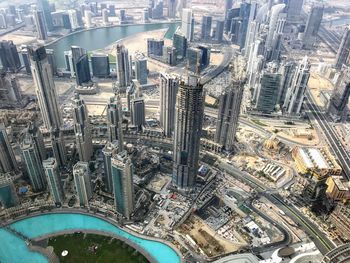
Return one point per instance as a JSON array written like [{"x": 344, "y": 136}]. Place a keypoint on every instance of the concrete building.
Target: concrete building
[
  {"x": 155, "y": 47},
  {"x": 219, "y": 31},
  {"x": 206, "y": 27},
  {"x": 296, "y": 93},
  {"x": 8, "y": 161},
  {"x": 52, "y": 60},
  {"x": 45, "y": 7},
  {"x": 40, "y": 25},
  {"x": 339, "y": 100},
  {"x": 100, "y": 65},
  {"x": 45, "y": 88},
  {"x": 123, "y": 66},
  {"x": 123, "y": 188},
  {"x": 82, "y": 181},
  {"x": 141, "y": 71},
  {"x": 180, "y": 45},
  {"x": 9, "y": 56},
  {"x": 105, "y": 16},
  {"x": 229, "y": 110},
  {"x": 343, "y": 55},
  {"x": 10, "y": 91},
  {"x": 187, "y": 23},
  {"x": 188, "y": 128},
  {"x": 74, "y": 19},
  {"x": 8, "y": 196},
  {"x": 137, "y": 112},
  {"x": 168, "y": 86},
  {"x": 82, "y": 129},
  {"x": 25, "y": 58},
  {"x": 33, "y": 162},
  {"x": 338, "y": 190},
  {"x": 338, "y": 254},
  {"x": 171, "y": 8},
  {"x": 194, "y": 59},
  {"x": 110, "y": 149},
  {"x": 114, "y": 121},
  {"x": 88, "y": 18},
  {"x": 312, "y": 26},
  {"x": 340, "y": 219},
  {"x": 318, "y": 162},
  {"x": 54, "y": 180},
  {"x": 81, "y": 65},
  {"x": 293, "y": 9}
]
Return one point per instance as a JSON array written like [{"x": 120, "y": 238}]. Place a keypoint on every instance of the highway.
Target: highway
[
  {"x": 336, "y": 145},
  {"x": 318, "y": 237}
]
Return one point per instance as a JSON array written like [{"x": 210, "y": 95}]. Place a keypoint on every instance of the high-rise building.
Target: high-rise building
[
  {"x": 171, "y": 8},
  {"x": 296, "y": 93},
  {"x": 287, "y": 71},
  {"x": 268, "y": 91},
  {"x": 187, "y": 23},
  {"x": 52, "y": 60},
  {"x": 44, "y": 6},
  {"x": 110, "y": 149},
  {"x": 81, "y": 65},
  {"x": 294, "y": 8},
  {"x": 123, "y": 66},
  {"x": 8, "y": 196},
  {"x": 38, "y": 141},
  {"x": 205, "y": 59},
  {"x": 168, "y": 89},
  {"x": 123, "y": 188},
  {"x": 40, "y": 25},
  {"x": 58, "y": 147},
  {"x": 45, "y": 88},
  {"x": 137, "y": 112},
  {"x": 343, "y": 55},
  {"x": 33, "y": 162},
  {"x": 9, "y": 56},
  {"x": 8, "y": 161},
  {"x": 74, "y": 19},
  {"x": 141, "y": 72},
  {"x": 54, "y": 180},
  {"x": 228, "y": 6},
  {"x": 25, "y": 58},
  {"x": 122, "y": 16},
  {"x": 276, "y": 26},
  {"x": 219, "y": 31},
  {"x": 194, "y": 56},
  {"x": 229, "y": 109},
  {"x": 312, "y": 26},
  {"x": 181, "y": 5},
  {"x": 188, "y": 128},
  {"x": 245, "y": 15},
  {"x": 10, "y": 92},
  {"x": 155, "y": 47},
  {"x": 88, "y": 18},
  {"x": 145, "y": 15},
  {"x": 82, "y": 129},
  {"x": 206, "y": 27},
  {"x": 105, "y": 16},
  {"x": 111, "y": 10},
  {"x": 114, "y": 121},
  {"x": 82, "y": 181},
  {"x": 340, "y": 97},
  {"x": 100, "y": 65},
  {"x": 180, "y": 45},
  {"x": 157, "y": 10}
]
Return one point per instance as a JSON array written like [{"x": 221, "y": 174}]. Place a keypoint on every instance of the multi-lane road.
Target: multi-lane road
[{"x": 322, "y": 120}]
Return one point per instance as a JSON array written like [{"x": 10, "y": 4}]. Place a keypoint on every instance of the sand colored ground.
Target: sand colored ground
[
  {"x": 196, "y": 226},
  {"x": 18, "y": 39},
  {"x": 318, "y": 83}
]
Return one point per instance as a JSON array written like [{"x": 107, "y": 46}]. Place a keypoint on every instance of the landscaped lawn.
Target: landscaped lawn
[{"x": 82, "y": 250}]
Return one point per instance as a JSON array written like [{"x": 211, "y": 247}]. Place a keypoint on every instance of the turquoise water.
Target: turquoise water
[
  {"x": 13, "y": 249},
  {"x": 100, "y": 38}
]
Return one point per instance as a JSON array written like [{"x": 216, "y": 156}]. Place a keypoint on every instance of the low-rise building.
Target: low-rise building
[{"x": 337, "y": 190}]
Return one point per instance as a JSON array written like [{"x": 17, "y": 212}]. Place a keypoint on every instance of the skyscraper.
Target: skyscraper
[
  {"x": 137, "y": 112},
  {"x": 82, "y": 181},
  {"x": 25, "y": 58},
  {"x": 110, "y": 149},
  {"x": 8, "y": 196},
  {"x": 141, "y": 73},
  {"x": 8, "y": 161},
  {"x": 105, "y": 16},
  {"x": 123, "y": 188},
  {"x": 294, "y": 8},
  {"x": 268, "y": 91},
  {"x": 171, "y": 8},
  {"x": 45, "y": 88},
  {"x": 343, "y": 55},
  {"x": 155, "y": 47},
  {"x": 340, "y": 97},
  {"x": 123, "y": 66},
  {"x": 312, "y": 26},
  {"x": 74, "y": 19},
  {"x": 44, "y": 6},
  {"x": 40, "y": 25},
  {"x": 114, "y": 121},
  {"x": 52, "y": 60},
  {"x": 229, "y": 109},
  {"x": 100, "y": 65},
  {"x": 187, "y": 23},
  {"x": 206, "y": 27},
  {"x": 168, "y": 89},
  {"x": 58, "y": 147},
  {"x": 82, "y": 129},
  {"x": 54, "y": 180},
  {"x": 9, "y": 56},
  {"x": 228, "y": 6},
  {"x": 194, "y": 56},
  {"x": 296, "y": 92},
  {"x": 81, "y": 65},
  {"x": 180, "y": 45},
  {"x": 88, "y": 18},
  {"x": 188, "y": 127},
  {"x": 219, "y": 30},
  {"x": 32, "y": 159}
]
